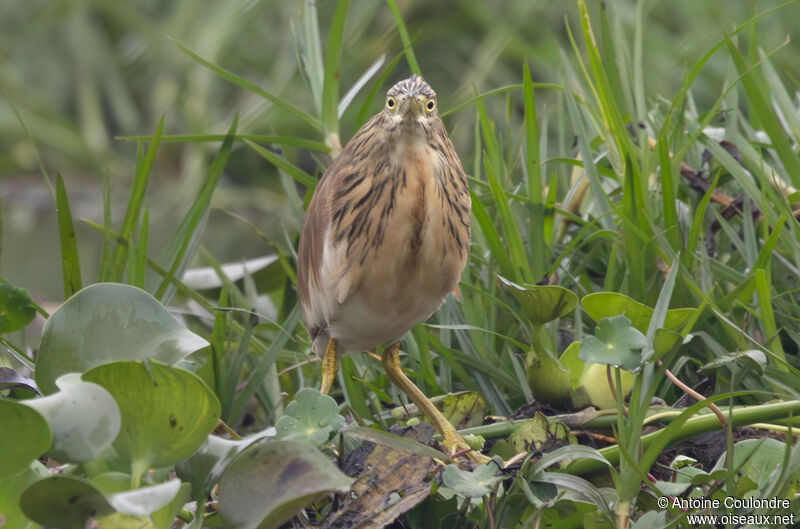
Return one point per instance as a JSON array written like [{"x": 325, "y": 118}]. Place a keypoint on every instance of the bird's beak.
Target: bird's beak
[{"x": 410, "y": 106}]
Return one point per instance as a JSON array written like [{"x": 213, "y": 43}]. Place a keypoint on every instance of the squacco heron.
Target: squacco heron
[{"x": 385, "y": 239}]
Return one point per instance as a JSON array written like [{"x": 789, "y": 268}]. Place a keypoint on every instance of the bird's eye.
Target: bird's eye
[
  {"x": 430, "y": 105},
  {"x": 390, "y": 102}
]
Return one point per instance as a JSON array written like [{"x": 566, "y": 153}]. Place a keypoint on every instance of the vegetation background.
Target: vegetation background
[
  {"x": 566, "y": 116},
  {"x": 81, "y": 73}
]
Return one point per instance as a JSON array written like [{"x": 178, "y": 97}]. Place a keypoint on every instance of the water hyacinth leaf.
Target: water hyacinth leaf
[
  {"x": 616, "y": 342},
  {"x": 669, "y": 488},
  {"x": 571, "y": 362},
  {"x": 26, "y": 436},
  {"x": 16, "y": 308},
  {"x": 166, "y": 412},
  {"x": 107, "y": 322},
  {"x": 599, "y": 305},
  {"x": 145, "y": 500},
  {"x": 83, "y": 417},
  {"x": 663, "y": 342},
  {"x": 310, "y": 418},
  {"x": 537, "y": 433},
  {"x": 64, "y": 502},
  {"x": 595, "y": 388},
  {"x": 548, "y": 379},
  {"x": 472, "y": 484},
  {"x": 11, "y": 488},
  {"x": 117, "y": 520},
  {"x": 165, "y": 516},
  {"x": 464, "y": 409},
  {"x": 204, "y": 468},
  {"x": 566, "y": 514},
  {"x": 270, "y": 481},
  {"x": 542, "y": 303},
  {"x": 651, "y": 519},
  {"x": 756, "y": 459},
  {"x": 111, "y": 482}
]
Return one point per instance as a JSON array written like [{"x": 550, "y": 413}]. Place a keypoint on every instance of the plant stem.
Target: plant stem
[{"x": 695, "y": 426}]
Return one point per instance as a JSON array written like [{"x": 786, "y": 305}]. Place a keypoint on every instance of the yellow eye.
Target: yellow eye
[
  {"x": 430, "y": 105},
  {"x": 390, "y": 102}
]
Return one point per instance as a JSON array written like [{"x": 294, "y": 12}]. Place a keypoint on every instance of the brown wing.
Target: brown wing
[{"x": 312, "y": 237}]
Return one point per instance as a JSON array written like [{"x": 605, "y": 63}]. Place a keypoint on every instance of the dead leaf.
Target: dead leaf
[{"x": 390, "y": 482}]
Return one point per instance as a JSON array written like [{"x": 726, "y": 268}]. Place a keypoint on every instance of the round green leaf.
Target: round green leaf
[
  {"x": 472, "y": 483},
  {"x": 204, "y": 468},
  {"x": 756, "y": 459},
  {"x": 83, "y": 417},
  {"x": 25, "y": 437},
  {"x": 599, "y": 305},
  {"x": 616, "y": 342},
  {"x": 594, "y": 385},
  {"x": 65, "y": 502},
  {"x": 542, "y": 303},
  {"x": 111, "y": 482},
  {"x": 548, "y": 379},
  {"x": 271, "y": 480},
  {"x": 11, "y": 489},
  {"x": 164, "y": 517},
  {"x": 146, "y": 500},
  {"x": 16, "y": 308},
  {"x": 166, "y": 412},
  {"x": 310, "y": 418},
  {"x": 464, "y": 409},
  {"x": 107, "y": 322},
  {"x": 572, "y": 363}
]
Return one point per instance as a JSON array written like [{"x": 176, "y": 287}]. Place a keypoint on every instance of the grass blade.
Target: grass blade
[
  {"x": 289, "y": 141},
  {"x": 533, "y": 171},
  {"x": 401, "y": 28},
  {"x": 131, "y": 220},
  {"x": 186, "y": 239},
  {"x": 330, "y": 87},
  {"x": 284, "y": 165},
  {"x": 137, "y": 271},
  {"x": 759, "y": 102},
  {"x": 252, "y": 87},
  {"x": 358, "y": 85},
  {"x": 70, "y": 262}
]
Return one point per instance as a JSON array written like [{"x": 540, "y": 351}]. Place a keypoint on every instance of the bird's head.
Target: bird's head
[{"x": 411, "y": 101}]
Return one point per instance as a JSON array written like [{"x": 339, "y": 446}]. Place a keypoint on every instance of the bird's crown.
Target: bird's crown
[{"x": 414, "y": 85}]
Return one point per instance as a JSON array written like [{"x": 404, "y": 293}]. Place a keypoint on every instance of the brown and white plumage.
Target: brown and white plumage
[
  {"x": 386, "y": 234},
  {"x": 385, "y": 239}
]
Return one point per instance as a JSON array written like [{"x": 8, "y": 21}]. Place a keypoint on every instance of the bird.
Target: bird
[{"x": 384, "y": 240}]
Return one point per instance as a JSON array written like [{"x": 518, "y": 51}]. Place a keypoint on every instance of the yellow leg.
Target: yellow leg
[
  {"x": 329, "y": 367},
  {"x": 452, "y": 441}
]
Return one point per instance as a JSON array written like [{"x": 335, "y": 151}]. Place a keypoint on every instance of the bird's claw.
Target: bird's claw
[{"x": 459, "y": 450}]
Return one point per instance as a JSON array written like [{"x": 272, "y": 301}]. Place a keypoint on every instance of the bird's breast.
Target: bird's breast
[
  {"x": 395, "y": 247},
  {"x": 416, "y": 265}
]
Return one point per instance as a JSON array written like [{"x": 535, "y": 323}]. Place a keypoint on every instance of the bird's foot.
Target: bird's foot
[{"x": 459, "y": 450}]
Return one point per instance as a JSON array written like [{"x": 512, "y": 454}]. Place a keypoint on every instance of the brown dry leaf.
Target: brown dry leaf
[{"x": 390, "y": 483}]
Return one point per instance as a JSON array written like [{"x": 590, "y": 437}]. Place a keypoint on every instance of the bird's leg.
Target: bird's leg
[
  {"x": 452, "y": 441},
  {"x": 329, "y": 367}
]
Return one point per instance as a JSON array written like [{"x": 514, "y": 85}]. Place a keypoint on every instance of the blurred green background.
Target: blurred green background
[{"x": 82, "y": 73}]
